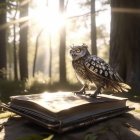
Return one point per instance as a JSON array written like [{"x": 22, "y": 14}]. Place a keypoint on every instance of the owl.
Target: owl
[{"x": 91, "y": 69}]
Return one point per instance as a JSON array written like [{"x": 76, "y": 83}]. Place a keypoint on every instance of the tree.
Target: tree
[
  {"x": 2, "y": 39},
  {"x": 62, "y": 49},
  {"x": 36, "y": 50},
  {"x": 125, "y": 41},
  {"x": 50, "y": 58},
  {"x": 15, "y": 45},
  {"x": 93, "y": 28},
  {"x": 23, "y": 46}
]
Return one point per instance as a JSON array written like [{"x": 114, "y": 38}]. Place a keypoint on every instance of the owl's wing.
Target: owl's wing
[{"x": 100, "y": 68}]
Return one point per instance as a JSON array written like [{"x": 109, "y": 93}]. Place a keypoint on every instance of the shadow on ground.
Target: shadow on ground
[{"x": 124, "y": 127}]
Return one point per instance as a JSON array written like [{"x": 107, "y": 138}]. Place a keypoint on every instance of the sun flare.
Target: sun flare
[{"x": 47, "y": 17}]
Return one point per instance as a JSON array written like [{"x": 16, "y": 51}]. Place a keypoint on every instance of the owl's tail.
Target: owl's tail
[
  {"x": 120, "y": 87},
  {"x": 124, "y": 87}
]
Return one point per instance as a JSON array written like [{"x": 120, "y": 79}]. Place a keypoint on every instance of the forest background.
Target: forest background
[{"x": 35, "y": 38}]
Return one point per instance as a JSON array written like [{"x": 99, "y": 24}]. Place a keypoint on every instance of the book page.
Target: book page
[
  {"x": 56, "y": 102},
  {"x": 59, "y": 101}
]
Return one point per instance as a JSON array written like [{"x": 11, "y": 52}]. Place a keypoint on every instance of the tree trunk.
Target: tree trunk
[
  {"x": 2, "y": 40},
  {"x": 125, "y": 41},
  {"x": 93, "y": 29},
  {"x": 62, "y": 49},
  {"x": 15, "y": 46},
  {"x": 15, "y": 55},
  {"x": 50, "y": 63},
  {"x": 36, "y": 50},
  {"x": 23, "y": 46}
]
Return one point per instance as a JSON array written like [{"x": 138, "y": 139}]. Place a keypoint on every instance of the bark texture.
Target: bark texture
[
  {"x": 2, "y": 40},
  {"x": 23, "y": 46},
  {"x": 62, "y": 48},
  {"x": 93, "y": 29},
  {"x": 125, "y": 41}
]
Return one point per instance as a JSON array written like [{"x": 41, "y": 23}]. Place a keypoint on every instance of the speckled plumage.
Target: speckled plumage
[{"x": 92, "y": 69}]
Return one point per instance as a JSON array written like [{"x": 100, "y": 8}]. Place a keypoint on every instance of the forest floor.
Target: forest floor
[{"x": 123, "y": 127}]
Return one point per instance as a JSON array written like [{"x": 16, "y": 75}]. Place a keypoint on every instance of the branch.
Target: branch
[
  {"x": 25, "y": 2},
  {"x": 65, "y": 8},
  {"x": 23, "y": 19},
  {"x": 86, "y": 14}
]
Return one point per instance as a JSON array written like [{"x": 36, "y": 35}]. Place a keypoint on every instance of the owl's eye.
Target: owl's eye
[{"x": 78, "y": 50}]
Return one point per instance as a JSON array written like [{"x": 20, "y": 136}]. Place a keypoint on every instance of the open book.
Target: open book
[{"x": 62, "y": 111}]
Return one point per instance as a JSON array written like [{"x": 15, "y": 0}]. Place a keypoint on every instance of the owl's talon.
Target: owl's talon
[
  {"x": 79, "y": 93},
  {"x": 82, "y": 91},
  {"x": 95, "y": 94}
]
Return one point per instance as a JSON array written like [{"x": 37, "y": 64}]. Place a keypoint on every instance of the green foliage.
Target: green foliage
[
  {"x": 31, "y": 137},
  {"x": 38, "y": 87},
  {"x": 35, "y": 137},
  {"x": 3, "y": 72},
  {"x": 2, "y": 7},
  {"x": 96, "y": 134},
  {"x": 90, "y": 136},
  {"x": 10, "y": 88},
  {"x": 32, "y": 86}
]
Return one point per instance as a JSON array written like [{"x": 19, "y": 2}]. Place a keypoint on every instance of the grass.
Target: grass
[
  {"x": 11, "y": 88},
  {"x": 33, "y": 86},
  {"x": 35, "y": 137}
]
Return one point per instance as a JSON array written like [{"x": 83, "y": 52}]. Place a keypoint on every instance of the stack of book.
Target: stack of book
[{"x": 63, "y": 111}]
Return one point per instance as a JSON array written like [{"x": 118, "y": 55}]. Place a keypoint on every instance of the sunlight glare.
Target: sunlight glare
[{"x": 47, "y": 17}]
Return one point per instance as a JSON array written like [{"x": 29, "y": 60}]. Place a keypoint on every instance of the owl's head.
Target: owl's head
[{"x": 78, "y": 52}]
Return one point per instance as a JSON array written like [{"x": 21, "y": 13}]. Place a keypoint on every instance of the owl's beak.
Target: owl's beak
[{"x": 72, "y": 54}]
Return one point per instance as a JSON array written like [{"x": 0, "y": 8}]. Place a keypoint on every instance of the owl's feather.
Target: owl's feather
[
  {"x": 99, "y": 67},
  {"x": 92, "y": 69}
]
